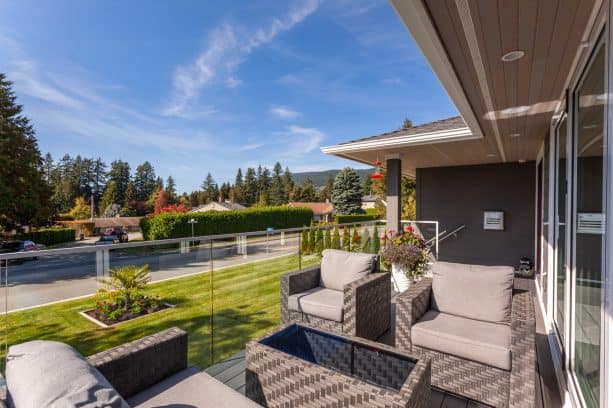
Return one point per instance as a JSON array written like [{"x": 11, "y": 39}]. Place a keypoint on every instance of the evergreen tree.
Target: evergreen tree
[
  {"x": 251, "y": 187},
  {"x": 277, "y": 188},
  {"x": 171, "y": 190},
  {"x": 145, "y": 181},
  {"x": 367, "y": 186},
  {"x": 304, "y": 240},
  {"x": 288, "y": 184},
  {"x": 264, "y": 184},
  {"x": 366, "y": 241},
  {"x": 129, "y": 200},
  {"x": 99, "y": 179},
  {"x": 336, "y": 239},
  {"x": 296, "y": 193},
  {"x": 327, "y": 239},
  {"x": 209, "y": 187},
  {"x": 376, "y": 240},
  {"x": 110, "y": 196},
  {"x": 312, "y": 239},
  {"x": 347, "y": 192},
  {"x": 326, "y": 192},
  {"x": 319, "y": 241},
  {"x": 120, "y": 174},
  {"x": 24, "y": 194},
  {"x": 346, "y": 242},
  {"x": 308, "y": 191},
  {"x": 238, "y": 189},
  {"x": 48, "y": 167}
]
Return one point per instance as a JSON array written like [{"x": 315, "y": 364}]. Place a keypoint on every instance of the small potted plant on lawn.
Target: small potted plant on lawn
[
  {"x": 407, "y": 254},
  {"x": 123, "y": 298}
]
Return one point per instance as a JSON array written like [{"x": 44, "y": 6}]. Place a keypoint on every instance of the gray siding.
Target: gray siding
[{"x": 458, "y": 196}]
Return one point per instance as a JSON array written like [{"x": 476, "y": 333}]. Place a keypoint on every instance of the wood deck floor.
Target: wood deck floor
[{"x": 232, "y": 373}]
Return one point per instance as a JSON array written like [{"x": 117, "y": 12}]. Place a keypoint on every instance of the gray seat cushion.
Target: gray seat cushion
[
  {"x": 320, "y": 302},
  {"x": 190, "y": 388},
  {"x": 51, "y": 374},
  {"x": 473, "y": 291},
  {"x": 483, "y": 342},
  {"x": 339, "y": 268}
]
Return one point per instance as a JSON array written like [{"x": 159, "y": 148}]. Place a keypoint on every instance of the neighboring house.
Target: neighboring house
[
  {"x": 321, "y": 211},
  {"x": 129, "y": 224},
  {"x": 369, "y": 202},
  {"x": 218, "y": 206}
]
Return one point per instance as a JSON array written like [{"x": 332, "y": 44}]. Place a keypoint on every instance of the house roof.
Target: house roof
[
  {"x": 317, "y": 208},
  {"x": 369, "y": 198},
  {"x": 226, "y": 204},
  {"x": 455, "y": 122}
]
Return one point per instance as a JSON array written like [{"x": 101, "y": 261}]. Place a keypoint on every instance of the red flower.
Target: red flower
[{"x": 408, "y": 228}]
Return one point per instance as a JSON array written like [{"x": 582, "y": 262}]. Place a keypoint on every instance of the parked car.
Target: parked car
[
  {"x": 113, "y": 235},
  {"x": 20, "y": 246}
]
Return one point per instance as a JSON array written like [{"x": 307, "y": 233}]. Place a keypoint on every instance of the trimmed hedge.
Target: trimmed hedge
[
  {"x": 175, "y": 225},
  {"x": 49, "y": 236},
  {"x": 346, "y": 219}
]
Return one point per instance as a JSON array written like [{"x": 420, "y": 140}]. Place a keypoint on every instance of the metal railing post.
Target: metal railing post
[
  {"x": 436, "y": 242},
  {"x": 211, "y": 295},
  {"x": 300, "y": 250}
]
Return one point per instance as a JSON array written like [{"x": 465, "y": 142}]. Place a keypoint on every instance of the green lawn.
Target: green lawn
[{"x": 245, "y": 304}]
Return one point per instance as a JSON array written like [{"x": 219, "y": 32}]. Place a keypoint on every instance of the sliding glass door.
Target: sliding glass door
[
  {"x": 588, "y": 232},
  {"x": 561, "y": 197}
]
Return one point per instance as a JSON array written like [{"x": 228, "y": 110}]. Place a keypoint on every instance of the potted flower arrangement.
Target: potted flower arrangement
[{"x": 407, "y": 254}]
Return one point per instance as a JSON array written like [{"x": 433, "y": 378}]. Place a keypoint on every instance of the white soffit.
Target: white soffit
[
  {"x": 452, "y": 135},
  {"x": 417, "y": 21}
]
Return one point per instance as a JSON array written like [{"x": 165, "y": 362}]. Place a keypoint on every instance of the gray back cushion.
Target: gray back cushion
[
  {"x": 339, "y": 268},
  {"x": 50, "y": 374},
  {"x": 473, "y": 291}
]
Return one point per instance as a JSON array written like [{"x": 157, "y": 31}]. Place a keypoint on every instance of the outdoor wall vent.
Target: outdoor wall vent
[
  {"x": 590, "y": 223},
  {"x": 493, "y": 220}
]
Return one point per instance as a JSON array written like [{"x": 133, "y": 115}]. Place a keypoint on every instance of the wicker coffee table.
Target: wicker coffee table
[{"x": 300, "y": 365}]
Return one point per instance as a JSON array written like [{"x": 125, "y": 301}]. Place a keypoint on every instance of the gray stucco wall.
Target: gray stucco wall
[{"x": 458, "y": 195}]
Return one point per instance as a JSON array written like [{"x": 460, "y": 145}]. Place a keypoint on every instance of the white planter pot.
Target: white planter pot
[{"x": 400, "y": 280}]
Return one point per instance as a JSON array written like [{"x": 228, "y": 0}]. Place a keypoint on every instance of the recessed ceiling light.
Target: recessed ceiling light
[
  {"x": 491, "y": 155},
  {"x": 515, "y": 109},
  {"x": 512, "y": 56},
  {"x": 515, "y": 135},
  {"x": 522, "y": 160},
  {"x": 590, "y": 126}
]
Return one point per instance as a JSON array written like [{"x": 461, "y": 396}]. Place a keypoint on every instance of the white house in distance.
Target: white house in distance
[
  {"x": 321, "y": 211},
  {"x": 218, "y": 206},
  {"x": 369, "y": 202}
]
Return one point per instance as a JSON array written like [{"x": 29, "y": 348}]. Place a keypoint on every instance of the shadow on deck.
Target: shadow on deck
[{"x": 232, "y": 373}]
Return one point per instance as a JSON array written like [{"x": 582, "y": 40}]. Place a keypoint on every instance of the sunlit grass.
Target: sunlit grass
[{"x": 245, "y": 306}]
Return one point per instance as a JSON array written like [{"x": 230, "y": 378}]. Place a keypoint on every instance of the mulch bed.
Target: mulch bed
[{"x": 93, "y": 313}]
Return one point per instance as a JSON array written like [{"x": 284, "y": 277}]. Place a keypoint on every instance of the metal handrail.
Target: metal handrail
[
  {"x": 452, "y": 233},
  {"x": 205, "y": 238}
]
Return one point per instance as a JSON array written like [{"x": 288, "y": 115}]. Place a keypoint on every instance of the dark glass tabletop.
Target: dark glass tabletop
[{"x": 379, "y": 367}]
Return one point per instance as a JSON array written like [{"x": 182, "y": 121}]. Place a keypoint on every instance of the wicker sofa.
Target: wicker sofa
[
  {"x": 145, "y": 373},
  {"x": 346, "y": 294},
  {"x": 478, "y": 331}
]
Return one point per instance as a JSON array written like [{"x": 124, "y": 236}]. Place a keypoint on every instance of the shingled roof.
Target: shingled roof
[{"x": 455, "y": 122}]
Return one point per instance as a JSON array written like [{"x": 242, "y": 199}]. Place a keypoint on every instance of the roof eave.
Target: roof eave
[
  {"x": 419, "y": 24},
  {"x": 451, "y": 135}
]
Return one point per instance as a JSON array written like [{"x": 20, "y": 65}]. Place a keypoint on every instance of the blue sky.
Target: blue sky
[{"x": 207, "y": 86}]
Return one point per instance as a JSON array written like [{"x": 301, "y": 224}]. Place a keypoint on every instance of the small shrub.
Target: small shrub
[
  {"x": 356, "y": 241},
  {"x": 304, "y": 241},
  {"x": 366, "y": 243},
  {"x": 128, "y": 281},
  {"x": 319, "y": 241},
  {"x": 49, "y": 236},
  {"x": 355, "y": 218},
  {"x": 336, "y": 239},
  {"x": 346, "y": 242},
  {"x": 327, "y": 239}
]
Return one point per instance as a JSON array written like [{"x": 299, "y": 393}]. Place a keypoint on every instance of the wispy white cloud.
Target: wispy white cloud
[
  {"x": 392, "y": 81},
  {"x": 252, "y": 146},
  {"x": 303, "y": 140},
  {"x": 77, "y": 106},
  {"x": 284, "y": 112},
  {"x": 226, "y": 49},
  {"x": 233, "y": 82}
]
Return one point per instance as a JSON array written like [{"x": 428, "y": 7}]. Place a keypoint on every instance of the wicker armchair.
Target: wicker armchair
[
  {"x": 480, "y": 382},
  {"x": 366, "y": 303}
]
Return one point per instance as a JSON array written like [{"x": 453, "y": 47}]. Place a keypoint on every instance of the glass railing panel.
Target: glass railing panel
[{"x": 246, "y": 295}]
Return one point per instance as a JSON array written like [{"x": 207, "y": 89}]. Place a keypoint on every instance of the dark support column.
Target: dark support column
[{"x": 393, "y": 178}]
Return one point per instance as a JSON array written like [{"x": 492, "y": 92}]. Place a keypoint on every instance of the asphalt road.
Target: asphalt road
[{"x": 50, "y": 279}]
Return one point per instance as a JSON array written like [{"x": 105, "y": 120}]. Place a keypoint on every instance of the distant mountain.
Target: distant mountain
[{"x": 319, "y": 178}]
